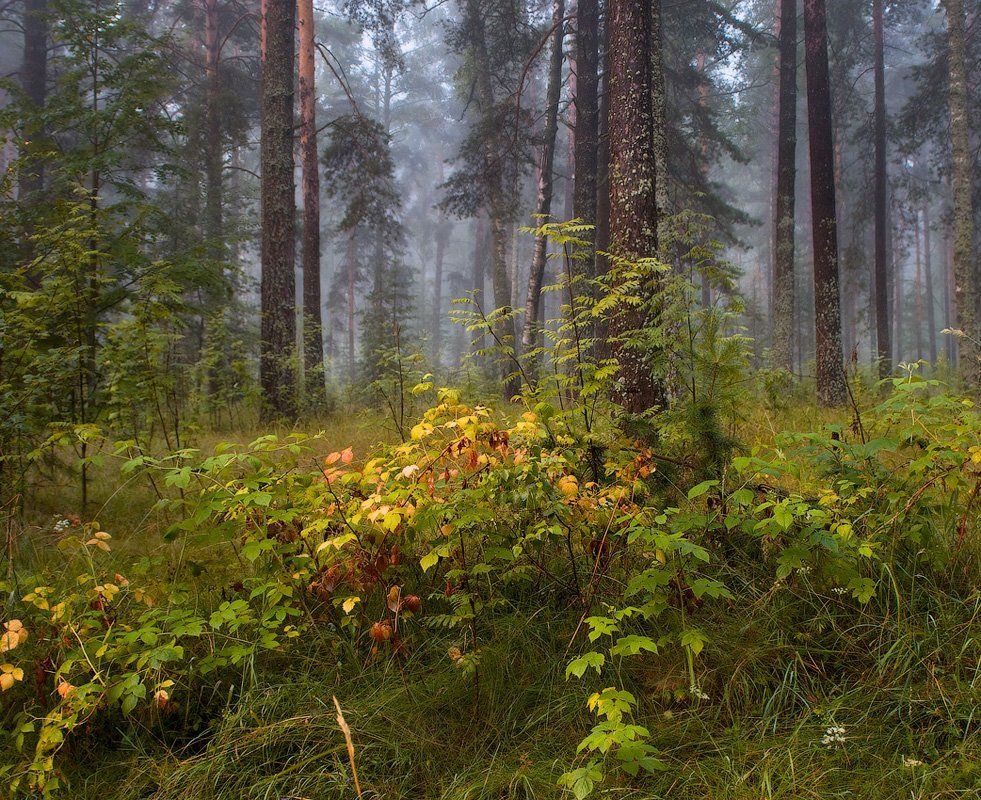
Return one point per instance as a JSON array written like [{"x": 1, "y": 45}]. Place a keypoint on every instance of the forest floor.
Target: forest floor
[{"x": 773, "y": 722}]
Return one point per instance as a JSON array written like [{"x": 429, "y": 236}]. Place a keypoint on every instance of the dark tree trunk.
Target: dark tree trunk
[
  {"x": 351, "y": 259},
  {"x": 313, "y": 347},
  {"x": 881, "y": 208},
  {"x": 633, "y": 188},
  {"x": 659, "y": 100},
  {"x": 831, "y": 389},
  {"x": 543, "y": 206},
  {"x": 703, "y": 165},
  {"x": 897, "y": 302},
  {"x": 478, "y": 266},
  {"x": 784, "y": 220},
  {"x": 213, "y": 213},
  {"x": 602, "y": 238},
  {"x": 965, "y": 301},
  {"x": 504, "y": 329},
  {"x": 931, "y": 313},
  {"x": 917, "y": 289},
  {"x": 587, "y": 113},
  {"x": 442, "y": 238},
  {"x": 278, "y": 285},
  {"x": 34, "y": 82}
]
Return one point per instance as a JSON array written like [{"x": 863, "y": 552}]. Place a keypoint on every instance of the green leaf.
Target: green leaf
[
  {"x": 700, "y": 489},
  {"x": 694, "y": 640},
  {"x": 862, "y": 589},
  {"x": 633, "y": 645},
  {"x": 577, "y": 667}
]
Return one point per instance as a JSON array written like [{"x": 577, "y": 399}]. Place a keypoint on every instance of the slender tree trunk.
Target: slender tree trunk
[
  {"x": 278, "y": 286},
  {"x": 313, "y": 346},
  {"x": 950, "y": 345},
  {"x": 965, "y": 301},
  {"x": 633, "y": 189},
  {"x": 351, "y": 262},
  {"x": 703, "y": 165},
  {"x": 831, "y": 387},
  {"x": 881, "y": 208},
  {"x": 659, "y": 104},
  {"x": 602, "y": 238},
  {"x": 784, "y": 221},
  {"x": 587, "y": 113},
  {"x": 504, "y": 329},
  {"x": 543, "y": 206},
  {"x": 34, "y": 82},
  {"x": 898, "y": 300},
  {"x": 442, "y": 238},
  {"x": 213, "y": 212},
  {"x": 931, "y": 313},
  {"x": 917, "y": 289},
  {"x": 478, "y": 266}
]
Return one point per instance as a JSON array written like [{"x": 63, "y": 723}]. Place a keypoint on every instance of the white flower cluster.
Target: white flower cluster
[
  {"x": 834, "y": 737},
  {"x": 911, "y": 762},
  {"x": 697, "y": 692},
  {"x": 62, "y": 525}
]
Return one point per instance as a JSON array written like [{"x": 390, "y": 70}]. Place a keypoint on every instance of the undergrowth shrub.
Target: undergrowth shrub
[{"x": 676, "y": 571}]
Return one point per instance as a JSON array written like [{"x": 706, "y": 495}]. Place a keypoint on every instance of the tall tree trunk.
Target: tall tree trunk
[
  {"x": 442, "y": 238},
  {"x": 784, "y": 220},
  {"x": 504, "y": 329},
  {"x": 478, "y": 265},
  {"x": 633, "y": 189},
  {"x": 278, "y": 284},
  {"x": 587, "y": 113},
  {"x": 703, "y": 165},
  {"x": 313, "y": 346},
  {"x": 931, "y": 313},
  {"x": 34, "y": 82},
  {"x": 659, "y": 105},
  {"x": 602, "y": 238},
  {"x": 883, "y": 347},
  {"x": 917, "y": 289},
  {"x": 543, "y": 205},
  {"x": 213, "y": 213},
  {"x": 898, "y": 300},
  {"x": 965, "y": 300},
  {"x": 950, "y": 345},
  {"x": 351, "y": 262},
  {"x": 831, "y": 389}
]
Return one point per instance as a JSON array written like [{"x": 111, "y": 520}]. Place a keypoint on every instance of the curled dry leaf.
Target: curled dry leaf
[
  {"x": 392, "y": 601},
  {"x": 381, "y": 632}
]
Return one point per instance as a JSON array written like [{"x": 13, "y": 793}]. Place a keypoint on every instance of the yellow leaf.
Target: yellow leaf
[{"x": 350, "y": 603}]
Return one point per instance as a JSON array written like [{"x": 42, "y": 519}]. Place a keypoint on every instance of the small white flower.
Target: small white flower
[
  {"x": 697, "y": 692},
  {"x": 910, "y": 763},
  {"x": 834, "y": 737}
]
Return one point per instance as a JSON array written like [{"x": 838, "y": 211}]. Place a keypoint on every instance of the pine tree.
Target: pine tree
[
  {"x": 277, "y": 374},
  {"x": 831, "y": 389}
]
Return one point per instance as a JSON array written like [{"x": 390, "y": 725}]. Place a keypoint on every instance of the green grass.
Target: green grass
[{"x": 903, "y": 679}]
